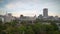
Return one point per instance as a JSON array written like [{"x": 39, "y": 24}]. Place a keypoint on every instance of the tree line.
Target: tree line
[{"x": 14, "y": 27}]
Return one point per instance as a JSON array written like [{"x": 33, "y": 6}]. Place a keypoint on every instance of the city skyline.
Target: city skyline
[{"x": 30, "y": 7}]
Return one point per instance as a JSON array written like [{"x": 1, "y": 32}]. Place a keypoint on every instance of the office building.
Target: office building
[{"x": 45, "y": 12}]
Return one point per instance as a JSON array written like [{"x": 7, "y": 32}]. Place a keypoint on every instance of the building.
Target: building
[
  {"x": 40, "y": 17},
  {"x": 2, "y": 18},
  {"x": 51, "y": 18},
  {"x": 8, "y": 17},
  {"x": 45, "y": 12},
  {"x": 27, "y": 19},
  {"x": 56, "y": 18}
]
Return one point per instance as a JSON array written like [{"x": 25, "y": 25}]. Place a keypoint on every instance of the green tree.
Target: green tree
[
  {"x": 54, "y": 25},
  {"x": 22, "y": 29},
  {"x": 29, "y": 30}
]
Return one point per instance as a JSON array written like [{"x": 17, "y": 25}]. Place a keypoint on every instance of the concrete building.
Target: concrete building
[
  {"x": 27, "y": 18},
  {"x": 8, "y": 17},
  {"x": 45, "y": 12},
  {"x": 2, "y": 18},
  {"x": 51, "y": 18},
  {"x": 40, "y": 16},
  {"x": 56, "y": 18}
]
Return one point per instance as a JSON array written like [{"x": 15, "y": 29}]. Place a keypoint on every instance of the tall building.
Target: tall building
[{"x": 45, "y": 12}]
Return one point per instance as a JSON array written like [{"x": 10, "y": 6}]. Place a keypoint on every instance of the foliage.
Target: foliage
[{"x": 23, "y": 28}]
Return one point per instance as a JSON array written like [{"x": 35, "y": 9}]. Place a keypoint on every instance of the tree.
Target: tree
[
  {"x": 54, "y": 25},
  {"x": 29, "y": 30},
  {"x": 2, "y": 28},
  {"x": 22, "y": 29},
  {"x": 37, "y": 28}
]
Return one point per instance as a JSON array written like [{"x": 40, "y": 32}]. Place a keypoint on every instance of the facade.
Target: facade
[
  {"x": 40, "y": 17},
  {"x": 2, "y": 18},
  {"x": 8, "y": 17},
  {"x": 27, "y": 19},
  {"x": 56, "y": 18},
  {"x": 45, "y": 12},
  {"x": 51, "y": 18}
]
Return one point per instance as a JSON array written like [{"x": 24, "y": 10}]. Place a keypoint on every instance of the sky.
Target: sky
[{"x": 30, "y": 7}]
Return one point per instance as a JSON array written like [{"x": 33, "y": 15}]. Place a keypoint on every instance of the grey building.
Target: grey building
[
  {"x": 40, "y": 17},
  {"x": 45, "y": 12}
]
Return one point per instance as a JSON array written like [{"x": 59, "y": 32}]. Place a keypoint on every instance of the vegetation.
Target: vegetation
[{"x": 23, "y": 28}]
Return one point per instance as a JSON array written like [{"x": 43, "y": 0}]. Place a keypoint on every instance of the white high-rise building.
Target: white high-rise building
[{"x": 45, "y": 12}]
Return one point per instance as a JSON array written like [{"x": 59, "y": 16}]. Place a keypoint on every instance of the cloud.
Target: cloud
[
  {"x": 13, "y": 5},
  {"x": 25, "y": 13},
  {"x": 2, "y": 12},
  {"x": 29, "y": 7},
  {"x": 21, "y": 6},
  {"x": 1, "y": 1}
]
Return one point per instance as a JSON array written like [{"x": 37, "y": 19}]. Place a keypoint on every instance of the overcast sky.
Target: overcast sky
[{"x": 30, "y": 7}]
